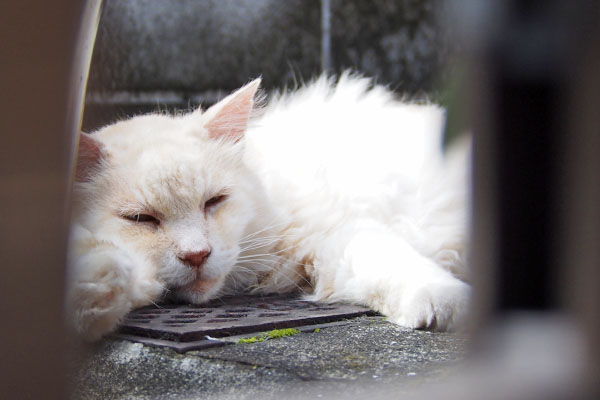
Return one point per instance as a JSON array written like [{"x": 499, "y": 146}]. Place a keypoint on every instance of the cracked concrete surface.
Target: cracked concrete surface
[{"x": 347, "y": 360}]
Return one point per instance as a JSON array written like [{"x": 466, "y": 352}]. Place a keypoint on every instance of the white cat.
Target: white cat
[{"x": 337, "y": 190}]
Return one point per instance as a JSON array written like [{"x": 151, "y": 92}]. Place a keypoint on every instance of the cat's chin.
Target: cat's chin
[{"x": 199, "y": 291}]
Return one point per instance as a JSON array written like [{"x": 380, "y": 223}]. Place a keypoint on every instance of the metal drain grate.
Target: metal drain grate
[{"x": 186, "y": 327}]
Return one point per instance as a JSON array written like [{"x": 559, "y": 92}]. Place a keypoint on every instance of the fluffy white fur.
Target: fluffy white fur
[{"x": 337, "y": 190}]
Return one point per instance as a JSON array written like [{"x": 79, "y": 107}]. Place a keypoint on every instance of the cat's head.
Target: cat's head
[{"x": 173, "y": 191}]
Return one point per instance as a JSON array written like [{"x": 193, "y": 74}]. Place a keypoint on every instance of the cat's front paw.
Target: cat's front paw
[
  {"x": 99, "y": 295},
  {"x": 438, "y": 306}
]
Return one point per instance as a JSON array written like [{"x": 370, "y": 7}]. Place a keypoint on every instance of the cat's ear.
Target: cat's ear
[
  {"x": 89, "y": 157},
  {"x": 228, "y": 119}
]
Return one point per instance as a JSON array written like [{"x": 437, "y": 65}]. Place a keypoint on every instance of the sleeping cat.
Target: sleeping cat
[{"x": 336, "y": 190}]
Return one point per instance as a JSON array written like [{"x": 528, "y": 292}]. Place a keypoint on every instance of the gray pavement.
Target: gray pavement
[{"x": 349, "y": 360}]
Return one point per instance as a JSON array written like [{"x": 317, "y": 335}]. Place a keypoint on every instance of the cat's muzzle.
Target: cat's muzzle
[{"x": 195, "y": 259}]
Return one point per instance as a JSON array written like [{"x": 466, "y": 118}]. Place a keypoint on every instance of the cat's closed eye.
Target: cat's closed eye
[
  {"x": 213, "y": 201},
  {"x": 142, "y": 218}
]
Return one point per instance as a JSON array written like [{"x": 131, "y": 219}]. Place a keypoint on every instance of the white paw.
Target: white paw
[
  {"x": 438, "y": 306},
  {"x": 99, "y": 295}
]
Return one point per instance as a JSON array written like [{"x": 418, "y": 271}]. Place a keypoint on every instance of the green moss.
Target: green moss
[
  {"x": 253, "y": 339},
  {"x": 278, "y": 333},
  {"x": 274, "y": 334},
  {"x": 317, "y": 330}
]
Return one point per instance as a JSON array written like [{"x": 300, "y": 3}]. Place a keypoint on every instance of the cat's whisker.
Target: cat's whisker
[
  {"x": 155, "y": 304},
  {"x": 241, "y": 257},
  {"x": 262, "y": 262},
  {"x": 283, "y": 276},
  {"x": 274, "y": 254},
  {"x": 258, "y": 232},
  {"x": 266, "y": 237},
  {"x": 259, "y": 244},
  {"x": 268, "y": 227},
  {"x": 277, "y": 260}
]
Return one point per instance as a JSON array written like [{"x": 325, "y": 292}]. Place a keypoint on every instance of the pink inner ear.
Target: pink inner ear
[
  {"x": 89, "y": 157},
  {"x": 231, "y": 120}
]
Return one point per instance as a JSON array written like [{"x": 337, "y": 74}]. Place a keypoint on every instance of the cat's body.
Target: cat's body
[{"x": 336, "y": 190}]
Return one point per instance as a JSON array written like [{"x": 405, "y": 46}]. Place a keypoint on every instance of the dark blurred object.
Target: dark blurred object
[
  {"x": 533, "y": 98},
  {"x": 44, "y": 71}
]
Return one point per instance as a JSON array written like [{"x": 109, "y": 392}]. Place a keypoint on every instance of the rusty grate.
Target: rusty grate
[{"x": 185, "y": 327}]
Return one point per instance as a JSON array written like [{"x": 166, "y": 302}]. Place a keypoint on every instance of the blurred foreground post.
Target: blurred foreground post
[
  {"x": 44, "y": 71},
  {"x": 535, "y": 90}
]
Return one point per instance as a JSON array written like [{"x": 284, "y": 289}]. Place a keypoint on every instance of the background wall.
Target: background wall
[{"x": 185, "y": 52}]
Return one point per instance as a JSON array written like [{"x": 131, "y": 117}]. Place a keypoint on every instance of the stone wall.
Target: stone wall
[{"x": 192, "y": 51}]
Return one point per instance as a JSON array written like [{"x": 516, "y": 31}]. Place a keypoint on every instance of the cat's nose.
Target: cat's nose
[{"x": 195, "y": 259}]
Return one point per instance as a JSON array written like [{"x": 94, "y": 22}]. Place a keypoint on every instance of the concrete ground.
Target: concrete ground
[{"x": 348, "y": 360}]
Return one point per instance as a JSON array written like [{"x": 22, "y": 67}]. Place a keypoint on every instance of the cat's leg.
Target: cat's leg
[
  {"x": 104, "y": 285},
  {"x": 378, "y": 268}
]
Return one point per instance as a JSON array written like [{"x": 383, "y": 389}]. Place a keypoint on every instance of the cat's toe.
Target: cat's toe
[
  {"x": 101, "y": 315},
  {"x": 439, "y": 306},
  {"x": 98, "y": 299}
]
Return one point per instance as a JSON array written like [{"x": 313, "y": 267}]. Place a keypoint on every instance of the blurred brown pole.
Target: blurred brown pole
[
  {"x": 535, "y": 84},
  {"x": 42, "y": 77},
  {"x": 581, "y": 194}
]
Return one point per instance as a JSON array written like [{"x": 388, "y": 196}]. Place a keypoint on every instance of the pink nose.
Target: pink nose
[{"x": 195, "y": 259}]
